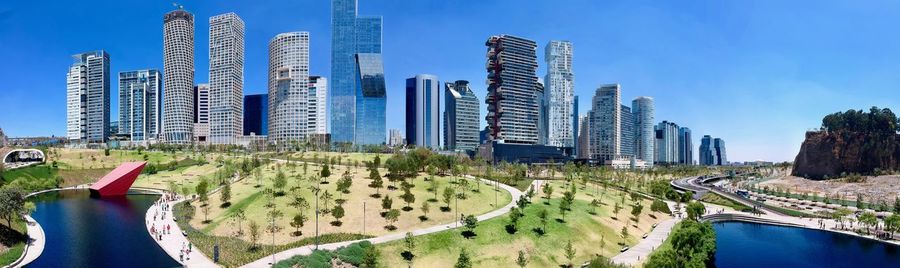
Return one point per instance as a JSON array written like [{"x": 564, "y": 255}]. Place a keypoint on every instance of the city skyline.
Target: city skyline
[{"x": 740, "y": 124}]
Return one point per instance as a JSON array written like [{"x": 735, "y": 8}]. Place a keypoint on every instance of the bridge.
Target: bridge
[{"x": 16, "y": 158}]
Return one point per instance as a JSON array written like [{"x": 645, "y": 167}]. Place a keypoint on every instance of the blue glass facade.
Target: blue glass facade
[
  {"x": 256, "y": 114},
  {"x": 370, "y": 100},
  {"x": 351, "y": 35}
]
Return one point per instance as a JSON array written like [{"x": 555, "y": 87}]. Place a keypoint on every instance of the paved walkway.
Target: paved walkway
[
  {"x": 36, "y": 242},
  {"x": 639, "y": 252},
  {"x": 306, "y": 250},
  {"x": 174, "y": 241}
]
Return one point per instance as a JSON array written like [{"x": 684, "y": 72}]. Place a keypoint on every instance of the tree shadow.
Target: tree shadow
[
  {"x": 408, "y": 256},
  {"x": 375, "y": 195},
  {"x": 407, "y": 209},
  {"x": 538, "y": 231},
  {"x": 511, "y": 229},
  {"x": 445, "y": 209},
  {"x": 390, "y": 227},
  {"x": 225, "y": 205},
  {"x": 336, "y": 223},
  {"x": 297, "y": 233},
  {"x": 469, "y": 234},
  {"x": 560, "y": 220},
  {"x": 423, "y": 218},
  {"x": 9, "y": 236}
]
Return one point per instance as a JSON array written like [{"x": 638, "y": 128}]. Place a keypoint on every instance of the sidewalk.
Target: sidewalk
[
  {"x": 36, "y": 242},
  {"x": 306, "y": 250},
  {"x": 173, "y": 242}
]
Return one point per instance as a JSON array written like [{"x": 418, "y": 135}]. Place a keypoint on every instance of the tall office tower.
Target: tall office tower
[
  {"x": 288, "y": 109},
  {"x": 461, "y": 114},
  {"x": 543, "y": 120},
  {"x": 256, "y": 115},
  {"x": 685, "y": 146},
  {"x": 584, "y": 137},
  {"x": 226, "y": 78},
  {"x": 396, "y": 138},
  {"x": 512, "y": 112},
  {"x": 140, "y": 104},
  {"x": 201, "y": 113},
  {"x": 644, "y": 137},
  {"x": 606, "y": 126},
  {"x": 370, "y": 100},
  {"x": 423, "y": 98},
  {"x": 352, "y": 35},
  {"x": 721, "y": 158},
  {"x": 626, "y": 136},
  {"x": 559, "y": 87},
  {"x": 87, "y": 98},
  {"x": 317, "y": 100},
  {"x": 575, "y": 126},
  {"x": 178, "y": 82},
  {"x": 667, "y": 142},
  {"x": 707, "y": 151}
]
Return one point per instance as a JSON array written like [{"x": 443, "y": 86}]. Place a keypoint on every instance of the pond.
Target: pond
[
  {"x": 85, "y": 231},
  {"x": 742, "y": 244}
]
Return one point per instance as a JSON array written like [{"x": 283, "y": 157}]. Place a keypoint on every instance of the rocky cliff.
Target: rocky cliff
[{"x": 825, "y": 155}]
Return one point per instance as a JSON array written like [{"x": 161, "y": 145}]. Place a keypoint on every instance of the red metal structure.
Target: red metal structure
[{"x": 118, "y": 181}]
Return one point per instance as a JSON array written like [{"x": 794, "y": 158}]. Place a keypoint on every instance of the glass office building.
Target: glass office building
[
  {"x": 423, "y": 111},
  {"x": 370, "y": 100},
  {"x": 140, "y": 104},
  {"x": 461, "y": 114},
  {"x": 256, "y": 114}
]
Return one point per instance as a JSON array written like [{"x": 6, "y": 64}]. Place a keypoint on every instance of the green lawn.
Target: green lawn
[
  {"x": 13, "y": 241},
  {"x": 717, "y": 199}
]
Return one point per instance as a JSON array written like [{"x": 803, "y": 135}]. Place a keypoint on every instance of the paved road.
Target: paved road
[{"x": 306, "y": 250}]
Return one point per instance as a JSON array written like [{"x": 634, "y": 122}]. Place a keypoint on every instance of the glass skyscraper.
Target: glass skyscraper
[
  {"x": 256, "y": 114},
  {"x": 140, "y": 104},
  {"x": 87, "y": 98},
  {"x": 644, "y": 138},
  {"x": 370, "y": 100},
  {"x": 461, "y": 115},
  {"x": 352, "y": 36},
  {"x": 559, "y": 90},
  {"x": 423, "y": 111},
  {"x": 626, "y": 137}
]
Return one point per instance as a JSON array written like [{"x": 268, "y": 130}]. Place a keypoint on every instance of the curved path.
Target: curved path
[
  {"x": 306, "y": 250},
  {"x": 174, "y": 241}
]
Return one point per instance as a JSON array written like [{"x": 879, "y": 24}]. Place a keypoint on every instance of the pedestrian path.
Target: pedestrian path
[
  {"x": 642, "y": 250},
  {"x": 35, "y": 243},
  {"x": 173, "y": 242},
  {"x": 306, "y": 250}
]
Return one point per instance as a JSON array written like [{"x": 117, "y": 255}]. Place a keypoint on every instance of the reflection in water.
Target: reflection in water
[
  {"x": 83, "y": 231},
  {"x": 740, "y": 244}
]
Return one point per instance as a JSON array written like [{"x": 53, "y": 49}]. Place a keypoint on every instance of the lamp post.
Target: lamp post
[{"x": 364, "y": 217}]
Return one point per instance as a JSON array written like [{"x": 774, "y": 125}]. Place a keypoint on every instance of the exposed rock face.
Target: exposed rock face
[{"x": 825, "y": 155}]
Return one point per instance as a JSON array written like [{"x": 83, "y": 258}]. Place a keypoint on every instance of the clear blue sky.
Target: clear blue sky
[{"x": 755, "y": 73}]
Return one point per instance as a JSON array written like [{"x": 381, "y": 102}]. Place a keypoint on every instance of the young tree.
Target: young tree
[
  {"x": 463, "y": 261},
  {"x": 624, "y": 232},
  {"x": 279, "y": 182},
  {"x": 377, "y": 182},
  {"x": 636, "y": 211},
  {"x": 202, "y": 190},
  {"x": 408, "y": 197},
  {"x": 522, "y": 261},
  {"x": 542, "y": 215},
  {"x": 240, "y": 215},
  {"x": 425, "y": 208},
  {"x": 370, "y": 256},
  {"x": 570, "y": 252},
  {"x": 564, "y": 207},
  {"x": 392, "y": 216},
  {"x": 338, "y": 213},
  {"x": 409, "y": 244},
  {"x": 326, "y": 198},
  {"x": 448, "y": 196},
  {"x": 387, "y": 203},
  {"x": 225, "y": 196},
  {"x": 695, "y": 210},
  {"x": 298, "y": 222},
  {"x": 326, "y": 172},
  {"x": 514, "y": 215},
  {"x": 471, "y": 222},
  {"x": 548, "y": 191},
  {"x": 254, "y": 234}
]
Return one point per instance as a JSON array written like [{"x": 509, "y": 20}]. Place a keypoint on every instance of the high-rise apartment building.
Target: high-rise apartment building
[
  {"x": 606, "y": 126},
  {"x": 513, "y": 110},
  {"x": 559, "y": 91},
  {"x": 357, "y": 96},
  {"x": 642, "y": 109},
  {"x": 87, "y": 98},
  {"x": 667, "y": 143},
  {"x": 317, "y": 100},
  {"x": 226, "y": 78},
  {"x": 140, "y": 104},
  {"x": 423, "y": 98},
  {"x": 178, "y": 82},
  {"x": 461, "y": 115},
  {"x": 626, "y": 136},
  {"x": 256, "y": 115},
  {"x": 288, "y": 103},
  {"x": 201, "y": 114},
  {"x": 584, "y": 137},
  {"x": 685, "y": 146}
]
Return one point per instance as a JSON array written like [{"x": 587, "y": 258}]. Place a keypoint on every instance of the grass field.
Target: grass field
[
  {"x": 185, "y": 178},
  {"x": 493, "y": 246},
  {"x": 94, "y": 159},
  {"x": 717, "y": 199},
  {"x": 248, "y": 197},
  {"x": 12, "y": 242}
]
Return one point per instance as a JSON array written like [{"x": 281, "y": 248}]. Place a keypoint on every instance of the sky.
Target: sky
[{"x": 757, "y": 74}]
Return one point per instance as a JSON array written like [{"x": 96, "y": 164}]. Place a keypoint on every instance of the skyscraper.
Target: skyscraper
[
  {"x": 256, "y": 115},
  {"x": 140, "y": 104},
  {"x": 317, "y": 99},
  {"x": 707, "y": 151},
  {"x": 288, "y": 98},
  {"x": 178, "y": 68},
  {"x": 644, "y": 137},
  {"x": 201, "y": 113},
  {"x": 370, "y": 100},
  {"x": 667, "y": 143},
  {"x": 512, "y": 112},
  {"x": 423, "y": 111},
  {"x": 606, "y": 126},
  {"x": 719, "y": 145},
  {"x": 543, "y": 120},
  {"x": 461, "y": 114},
  {"x": 626, "y": 135},
  {"x": 584, "y": 137},
  {"x": 396, "y": 138},
  {"x": 352, "y": 35},
  {"x": 559, "y": 90},
  {"x": 226, "y": 78},
  {"x": 87, "y": 98},
  {"x": 685, "y": 146}
]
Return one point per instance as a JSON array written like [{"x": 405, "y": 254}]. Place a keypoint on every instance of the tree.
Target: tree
[
  {"x": 859, "y": 202},
  {"x": 624, "y": 232},
  {"x": 448, "y": 196},
  {"x": 570, "y": 252},
  {"x": 548, "y": 191},
  {"x": 471, "y": 222},
  {"x": 299, "y": 203},
  {"x": 254, "y": 234},
  {"x": 636, "y": 211},
  {"x": 463, "y": 261},
  {"x": 370, "y": 257},
  {"x": 338, "y": 213},
  {"x": 326, "y": 172},
  {"x": 522, "y": 261},
  {"x": 202, "y": 190},
  {"x": 298, "y": 222},
  {"x": 564, "y": 207},
  {"x": 392, "y": 216},
  {"x": 695, "y": 210},
  {"x": 868, "y": 219},
  {"x": 377, "y": 182},
  {"x": 594, "y": 204},
  {"x": 279, "y": 182},
  {"x": 387, "y": 203},
  {"x": 515, "y": 214},
  {"x": 326, "y": 198},
  {"x": 12, "y": 204},
  {"x": 225, "y": 196},
  {"x": 425, "y": 208},
  {"x": 408, "y": 197},
  {"x": 542, "y": 215},
  {"x": 409, "y": 243}
]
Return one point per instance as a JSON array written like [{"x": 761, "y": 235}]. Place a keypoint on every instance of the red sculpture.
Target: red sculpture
[{"x": 118, "y": 181}]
